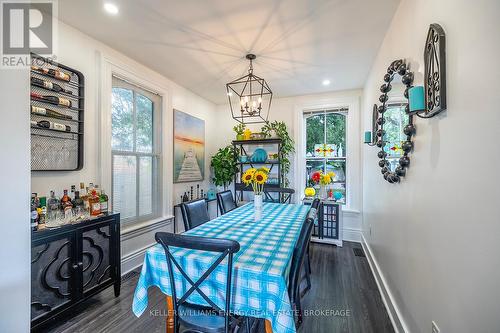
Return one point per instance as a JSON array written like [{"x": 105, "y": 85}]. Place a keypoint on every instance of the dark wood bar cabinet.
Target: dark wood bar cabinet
[{"x": 72, "y": 263}]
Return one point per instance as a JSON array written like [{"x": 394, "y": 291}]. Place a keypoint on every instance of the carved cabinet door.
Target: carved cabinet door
[
  {"x": 52, "y": 274},
  {"x": 97, "y": 256}
]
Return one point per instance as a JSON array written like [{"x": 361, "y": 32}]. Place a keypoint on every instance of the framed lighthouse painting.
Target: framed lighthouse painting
[{"x": 189, "y": 148}]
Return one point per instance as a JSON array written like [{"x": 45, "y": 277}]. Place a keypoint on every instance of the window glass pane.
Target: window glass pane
[
  {"x": 124, "y": 185},
  {"x": 144, "y": 114},
  {"x": 335, "y": 133},
  {"x": 338, "y": 167},
  {"x": 122, "y": 125},
  {"x": 311, "y": 167},
  {"x": 339, "y": 191},
  {"x": 315, "y": 134},
  {"x": 145, "y": 185}
]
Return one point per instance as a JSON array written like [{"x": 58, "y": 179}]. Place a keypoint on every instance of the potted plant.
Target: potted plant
[
  {"x": 224, "y": 164},
  {"x": 287, "y": 147},
  {"x": 239, "y": 129}
]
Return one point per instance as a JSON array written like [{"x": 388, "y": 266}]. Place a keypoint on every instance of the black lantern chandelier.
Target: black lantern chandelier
[{"x": 249, "y": 97}]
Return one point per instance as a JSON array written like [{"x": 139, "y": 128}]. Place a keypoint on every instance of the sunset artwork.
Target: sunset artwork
[{"x": 189, "y": 148}]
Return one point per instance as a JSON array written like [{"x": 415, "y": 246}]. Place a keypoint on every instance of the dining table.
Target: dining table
[{"x": 260, "y": 268}]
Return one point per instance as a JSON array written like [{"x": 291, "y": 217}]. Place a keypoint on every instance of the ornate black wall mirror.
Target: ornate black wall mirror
[{"x": 394, "y": 125}]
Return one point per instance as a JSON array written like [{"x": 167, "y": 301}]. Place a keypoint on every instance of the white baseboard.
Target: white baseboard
[
  {"x": 136, "y": 239},
  {"x": 390, "y": 304},
  {"x": 133, "y": 260},
  {"x": 352, "y": 235}
]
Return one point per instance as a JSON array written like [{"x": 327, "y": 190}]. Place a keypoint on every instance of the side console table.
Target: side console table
[
  {"x": 328, "y": 228},
  {"x": 72, "y": 263}
]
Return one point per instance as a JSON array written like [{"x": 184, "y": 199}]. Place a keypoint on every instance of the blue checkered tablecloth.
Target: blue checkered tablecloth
[{"x": 261, "y": 267}]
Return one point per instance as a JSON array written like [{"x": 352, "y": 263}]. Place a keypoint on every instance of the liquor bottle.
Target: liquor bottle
[
  {"x": 103, "y": 199},
  {"x": 185, "y": 197},
  {"x": 96, "y": 188},
  {"x": 78, "y": 202},
  {"x": 52, "y": 99},
  {"x": 34, "y": 212},
  {"x": 73, "y": 189},
  {"x": 51, "y": 125},
  {"x": 55, "y": 73},
  {"x": 49, "y": 113},
  {"x": 66, "y": 201},
  {"x": 95, "y": 204},
  {"x": 85, "y": 198},
  {"x": 53, "y": 204},
  {"x": 43, "y": 210},
  {"x": 49, "y": 85}
]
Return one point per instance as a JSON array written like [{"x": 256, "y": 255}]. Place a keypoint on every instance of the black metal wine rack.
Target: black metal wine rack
[{"x": 54, "y": 150}]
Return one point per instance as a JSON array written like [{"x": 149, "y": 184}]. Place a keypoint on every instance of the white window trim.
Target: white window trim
[
  {"x": 353, "y": 146},
  {"x": 108, "y": 67}
]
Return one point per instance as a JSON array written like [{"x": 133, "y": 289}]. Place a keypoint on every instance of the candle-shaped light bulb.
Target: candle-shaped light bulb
[
  {"x": 260, "y": 100},
  {"x": 246, "y": 99}
]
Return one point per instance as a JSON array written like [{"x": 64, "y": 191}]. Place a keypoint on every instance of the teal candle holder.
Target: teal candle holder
[
  {"x": 416, "y": 97},
  {"x": 368, "y": 137}
]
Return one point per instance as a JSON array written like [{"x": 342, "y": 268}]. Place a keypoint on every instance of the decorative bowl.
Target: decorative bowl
[
  {"x": 257, "y": 136},
  {"x": 259, "y": 156}
]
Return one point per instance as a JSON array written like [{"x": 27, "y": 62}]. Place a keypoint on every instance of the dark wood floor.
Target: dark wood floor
[{"x": 343, "y": 298}]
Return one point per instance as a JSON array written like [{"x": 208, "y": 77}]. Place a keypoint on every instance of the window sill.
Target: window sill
[{"x": 135, "y": 229}]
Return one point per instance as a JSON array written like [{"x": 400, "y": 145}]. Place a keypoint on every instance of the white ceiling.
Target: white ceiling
[{"x": 201, "y": 44}]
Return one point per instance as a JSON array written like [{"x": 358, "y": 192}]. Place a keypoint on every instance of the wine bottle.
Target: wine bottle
[
  {"x": 49, "y": 113},
  {"x": 52, "y": 99},
  {"x": 55, "y": 73},
  {"x": 49, "y": 85},
  {"x": 51, "y": 125},
  {"x": 103, "y": 198}
]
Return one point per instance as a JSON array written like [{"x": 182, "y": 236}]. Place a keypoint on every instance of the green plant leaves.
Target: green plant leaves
[
  {"x": 288, "y": 146},
  {"x": 224, "y": 164}
]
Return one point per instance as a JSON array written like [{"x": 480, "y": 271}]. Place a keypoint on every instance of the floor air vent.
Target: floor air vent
[{"x": 358, "y": 252}]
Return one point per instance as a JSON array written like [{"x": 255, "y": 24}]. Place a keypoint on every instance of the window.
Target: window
[
  {"x": 326, "y": 147},
  {"x": 135, "y": 147},
  {"x": 395, "y": 121}
]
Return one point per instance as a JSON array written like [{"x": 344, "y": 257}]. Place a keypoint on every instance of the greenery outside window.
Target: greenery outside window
[
  {"x": 326, "y": 148},
  {"x": 136, "y": 151}
]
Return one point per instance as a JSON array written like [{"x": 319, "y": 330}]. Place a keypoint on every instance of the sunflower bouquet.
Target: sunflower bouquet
[{"x": 256, "y": 177}]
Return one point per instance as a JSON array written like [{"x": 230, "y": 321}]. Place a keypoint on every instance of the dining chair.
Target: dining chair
[
  {"x": 299, "y": 258},
  {"x": 194, "y": 213},
  {"x": 313, "y": 214},
  {"x": 284, "y": 194},
  {"x": 192, "y": 317},
  {"x": 225, "y": 201}
]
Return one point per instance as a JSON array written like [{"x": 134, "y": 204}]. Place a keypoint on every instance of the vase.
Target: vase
[
  {"x": 322, "y": 192},
  {"x": 257, "y": 203}
]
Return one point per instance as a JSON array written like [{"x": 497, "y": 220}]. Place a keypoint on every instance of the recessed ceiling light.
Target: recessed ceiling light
[
  {"x": 111, "y": 8},
  {"x": 326, "y": 82}
]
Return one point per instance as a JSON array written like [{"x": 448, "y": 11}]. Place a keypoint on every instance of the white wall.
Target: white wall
[
  {"x": 84, "y": 53},
  {"x": 15, "y": 254},
  {"x": 435, "y": 235},
  {"x": 289, "y": 110}
]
